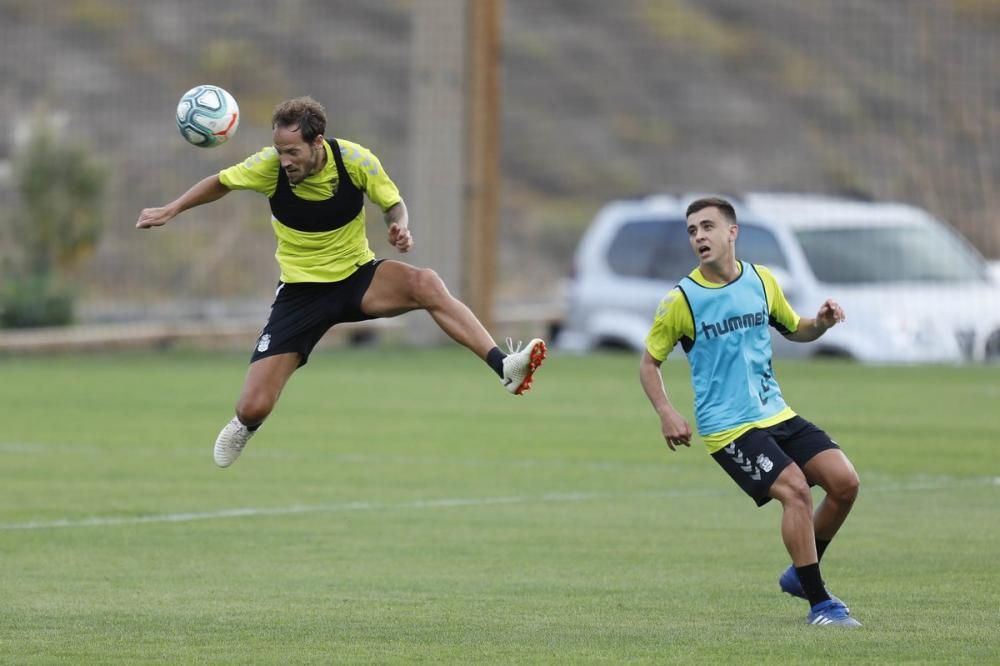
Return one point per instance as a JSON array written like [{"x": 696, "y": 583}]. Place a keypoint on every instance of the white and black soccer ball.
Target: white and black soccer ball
[{"x": 207, "y": 116}]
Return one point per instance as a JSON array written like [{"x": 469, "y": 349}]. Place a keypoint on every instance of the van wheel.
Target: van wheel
[
  {"x": 613, "y": 344},
  {"x": 992, "y": 350},
  {"x": 833, "y": 353}
]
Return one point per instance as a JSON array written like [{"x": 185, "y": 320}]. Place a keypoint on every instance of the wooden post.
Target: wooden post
[
  {"x": 485, "y": 25},
  {"x": 434, "y": 194},
  {"x": 452, "y": 194}
]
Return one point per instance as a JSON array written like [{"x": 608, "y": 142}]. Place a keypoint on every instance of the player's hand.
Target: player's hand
[
  {"x": 400, "y": 237},
  {"x": 830, "y": 314},
  {"x": 153, "y": 217},
  {"x": 676, "y": 430}
]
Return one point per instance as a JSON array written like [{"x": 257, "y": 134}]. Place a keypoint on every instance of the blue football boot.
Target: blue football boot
[{"x": 832, "y": 611}]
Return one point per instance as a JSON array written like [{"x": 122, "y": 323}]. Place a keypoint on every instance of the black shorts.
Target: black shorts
[
  {"x": 757, "y": 457},
  {"x": 303, "y": 312}
]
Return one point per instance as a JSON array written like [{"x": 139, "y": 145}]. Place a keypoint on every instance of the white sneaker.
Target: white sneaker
[
  {"x": 520, "y": 364},
  {"x": 229, "y": 445}
]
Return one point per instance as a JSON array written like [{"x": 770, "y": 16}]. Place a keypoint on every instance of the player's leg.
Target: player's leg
[
  {"x": 266, "y": 377},
  {"x": 759, "y": 466},
  {"x": 765, "y": 471},
  {"x": 300, "y": 315},
  {"x": 397, "y": 288},
  {"x": 792, "y": 489},
  {"x": 832, "y": 471},
  {"x": 264, "y": 382},
  {"x": 824, "y": 464}
]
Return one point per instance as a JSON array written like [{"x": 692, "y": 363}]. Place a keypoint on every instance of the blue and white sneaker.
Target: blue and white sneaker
[
  {"x": 790, "y": 584},
  {"x": 831, "y": 612}
]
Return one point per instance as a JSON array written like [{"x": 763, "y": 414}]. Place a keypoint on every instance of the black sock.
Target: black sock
[
  {"x": 494, "y": 358},
  {"x": 821, "y": 548},
  {"x": 812, "y": 584}
]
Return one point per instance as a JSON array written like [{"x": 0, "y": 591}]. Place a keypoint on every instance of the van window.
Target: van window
[
  {"x": 759, "y": 246},
  {"x": 655, "y": 248},
  {"x": 659, "y": 249},
  {"x": 904, "y": 253}
]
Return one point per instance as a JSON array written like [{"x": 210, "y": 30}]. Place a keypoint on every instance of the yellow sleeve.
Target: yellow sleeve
[
  {"x": 672, "y": 323},
  {"x": 367, "y": 174},
  {"x": 782, "y": 316},
  {"x": 259, "y": 173}
]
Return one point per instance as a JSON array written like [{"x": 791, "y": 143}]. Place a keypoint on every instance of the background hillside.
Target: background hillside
[{"x": 894, "y": 99}]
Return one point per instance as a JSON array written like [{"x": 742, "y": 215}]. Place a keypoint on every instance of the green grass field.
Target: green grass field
[{"x": 401, "y": 507}]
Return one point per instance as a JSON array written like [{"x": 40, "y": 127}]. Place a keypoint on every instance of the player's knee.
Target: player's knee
[
  {"x": 252, "y": 409},
  {"x": 845, "y": 491},
  {"x": 792, "y": 489},
  {"x": 428, "y": 287},
  {"x": 800, "y": 495}
]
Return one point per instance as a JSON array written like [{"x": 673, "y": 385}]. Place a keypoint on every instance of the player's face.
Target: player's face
[
  {"x": 298, "y": 158},
  {"x": 711, "y": 235}
]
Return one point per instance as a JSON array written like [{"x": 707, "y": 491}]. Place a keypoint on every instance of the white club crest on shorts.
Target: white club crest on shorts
[
  {"x": 264, "y": 342},
  {"x": 764, "y": 463}
]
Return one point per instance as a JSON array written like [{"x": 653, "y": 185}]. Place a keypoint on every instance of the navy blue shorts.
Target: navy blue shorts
[
  {"x": 756, "y": 458},
  {"x": 303, "y": 312}
]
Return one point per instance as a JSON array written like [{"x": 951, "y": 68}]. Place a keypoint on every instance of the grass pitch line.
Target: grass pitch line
[
  {"x": 885, "y": 482},
  {"x": 29, "y": 447},
  {"x": 332, "y": 456},
  {"x": 917, "y": 484},
  {"x": 249, "y": 512}
]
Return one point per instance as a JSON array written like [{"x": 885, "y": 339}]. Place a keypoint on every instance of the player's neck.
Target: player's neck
[
  {"x": 720, "y": 272},
  {"x": 320, "y": 161}
]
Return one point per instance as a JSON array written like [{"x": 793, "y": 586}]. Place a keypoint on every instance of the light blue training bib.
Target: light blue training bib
[{"x": 731, "y": 354}]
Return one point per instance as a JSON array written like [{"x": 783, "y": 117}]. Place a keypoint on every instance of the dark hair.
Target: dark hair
[
  {"x": 302, "y": 113},
  {"x": 713, "y": 202}
]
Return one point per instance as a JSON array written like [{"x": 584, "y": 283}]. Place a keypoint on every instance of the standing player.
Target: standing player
[
  {"x": 316, "y": 187},
  {"x": 720, "y": 314}
]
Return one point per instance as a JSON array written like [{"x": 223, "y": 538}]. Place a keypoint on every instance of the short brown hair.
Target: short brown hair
[
  {"x": 303, "y": 113},
  {"x": 713, "y": 202}
]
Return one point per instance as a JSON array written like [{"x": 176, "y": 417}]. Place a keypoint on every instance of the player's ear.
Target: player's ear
[
  {"x": 318, "y": 140},
  {"x": 734, "y": 231}
]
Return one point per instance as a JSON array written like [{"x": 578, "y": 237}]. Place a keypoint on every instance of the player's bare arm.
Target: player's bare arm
[
  {"x": 675, "y": 428},
  {"x": 397, "y": 220},
  {"x": 830, "y": 314},
  {"x": 204, "y": 191}
]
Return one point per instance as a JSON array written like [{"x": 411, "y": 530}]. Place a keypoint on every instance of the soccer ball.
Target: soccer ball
[{"x": 207, "y": 116}]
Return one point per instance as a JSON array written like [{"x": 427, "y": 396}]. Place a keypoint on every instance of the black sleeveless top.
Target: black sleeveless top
[{"x": 326, "y": 215}]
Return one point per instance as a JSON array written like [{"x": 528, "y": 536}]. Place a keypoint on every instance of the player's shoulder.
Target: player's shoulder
[
  {"x": 256, "y": 172},
  {"x": 673, "y": 298},
  {"x": 352, "y": 151},
  {"x": 359, "y": 160},
  {"x": 765, "y": 273}
]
